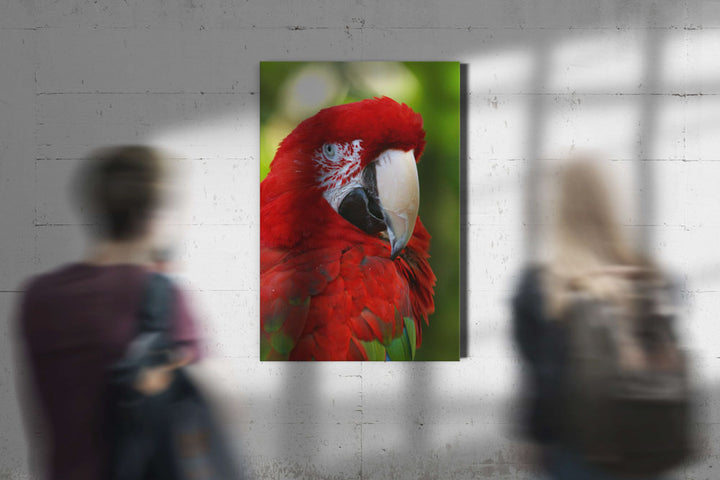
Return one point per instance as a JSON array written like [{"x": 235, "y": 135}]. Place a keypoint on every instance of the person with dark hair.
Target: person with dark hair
[
  {"x": 76, "y": 321},
  {"x": 123, "y": 188}
]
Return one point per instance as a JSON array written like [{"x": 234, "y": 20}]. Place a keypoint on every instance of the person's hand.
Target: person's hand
[{"x": 154, "y": 380}]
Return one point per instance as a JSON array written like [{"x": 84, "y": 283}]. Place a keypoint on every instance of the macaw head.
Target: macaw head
[{"x": 360, "y": 158}]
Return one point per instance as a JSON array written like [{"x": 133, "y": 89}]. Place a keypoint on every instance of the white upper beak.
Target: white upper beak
[{"x": 399, "y": 195}]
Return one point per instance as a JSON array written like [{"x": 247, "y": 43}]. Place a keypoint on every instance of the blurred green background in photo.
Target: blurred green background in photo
[{"x": 293, "y": 91}]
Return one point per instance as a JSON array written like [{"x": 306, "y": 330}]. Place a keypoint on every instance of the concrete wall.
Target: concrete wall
[{"x": 635, "y": 80}]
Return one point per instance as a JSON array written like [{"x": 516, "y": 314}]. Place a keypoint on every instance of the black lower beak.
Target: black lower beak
[{"x": 363, "y": 211}]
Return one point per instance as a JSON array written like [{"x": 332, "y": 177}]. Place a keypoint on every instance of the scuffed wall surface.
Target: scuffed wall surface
[{"x": 632, "y": 80}]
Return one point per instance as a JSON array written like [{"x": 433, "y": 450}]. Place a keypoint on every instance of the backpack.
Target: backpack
[
  {"x": 626, "y": 394},
  {"x": 172, "y": 435}
]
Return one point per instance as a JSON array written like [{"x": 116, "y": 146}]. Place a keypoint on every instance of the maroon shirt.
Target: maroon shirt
[{"x": 75, "y": 322}]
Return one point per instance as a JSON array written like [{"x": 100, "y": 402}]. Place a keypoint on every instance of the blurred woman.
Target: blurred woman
[
  {"x": 77, "y": 320},
  {"x": 589, "y": 254}
]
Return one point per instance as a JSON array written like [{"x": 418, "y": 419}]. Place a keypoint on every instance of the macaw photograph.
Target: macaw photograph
[{"x": 360, "y": 211}]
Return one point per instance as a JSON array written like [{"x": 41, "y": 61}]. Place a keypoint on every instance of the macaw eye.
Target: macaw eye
[{"x": 330, "y": 151}]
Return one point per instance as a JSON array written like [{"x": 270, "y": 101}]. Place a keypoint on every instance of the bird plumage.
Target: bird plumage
[{"x": 343, "y": 275}]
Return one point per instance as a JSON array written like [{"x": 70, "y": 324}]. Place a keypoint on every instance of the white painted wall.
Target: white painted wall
[{"x": 631, "y": 79}]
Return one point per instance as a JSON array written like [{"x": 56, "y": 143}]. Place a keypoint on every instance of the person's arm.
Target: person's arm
[
  {"x": 186, "y": 350},
  {"x": 185, "y": 331}
]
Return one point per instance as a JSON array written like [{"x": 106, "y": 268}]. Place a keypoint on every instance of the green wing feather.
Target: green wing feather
[{"x": 401, "y": 348}]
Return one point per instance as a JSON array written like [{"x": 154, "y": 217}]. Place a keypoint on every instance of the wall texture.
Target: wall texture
[{"x": 637, "y": 81}]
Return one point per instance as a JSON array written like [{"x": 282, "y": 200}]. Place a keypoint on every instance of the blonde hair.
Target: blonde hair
[{"x": 590, "y": 253}]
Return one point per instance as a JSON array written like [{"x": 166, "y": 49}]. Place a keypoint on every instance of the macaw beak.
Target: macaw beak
[
  {"x": 388, "y": 199},
  {"x": 399, "y": 195}
]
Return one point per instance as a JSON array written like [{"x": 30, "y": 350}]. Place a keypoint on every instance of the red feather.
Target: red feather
[{"x": 326, "y": 285}]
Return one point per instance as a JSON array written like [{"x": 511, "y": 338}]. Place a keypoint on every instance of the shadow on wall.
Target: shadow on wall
[{"x": 538, "y": 126}]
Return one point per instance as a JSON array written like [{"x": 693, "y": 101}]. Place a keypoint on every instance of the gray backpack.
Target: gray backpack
[{"x": 626, "y": 392}]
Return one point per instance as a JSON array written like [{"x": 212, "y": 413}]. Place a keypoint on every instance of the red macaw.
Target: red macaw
[{"x": 344, "y": 272}]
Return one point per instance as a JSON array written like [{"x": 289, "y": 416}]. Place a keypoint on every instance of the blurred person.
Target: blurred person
[
  {"x": 588, "y": 326},
  {"x": 76, "y": 321}
]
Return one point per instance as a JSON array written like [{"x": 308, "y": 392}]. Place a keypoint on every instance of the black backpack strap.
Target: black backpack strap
[
  {"x": 156, "y": 307},
  {"x": 152, "y": 345}
]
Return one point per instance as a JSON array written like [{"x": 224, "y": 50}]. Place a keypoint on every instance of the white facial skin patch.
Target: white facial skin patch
[
  {"x": 338, "y": 166},
  {"x": 396, "y": 179}
]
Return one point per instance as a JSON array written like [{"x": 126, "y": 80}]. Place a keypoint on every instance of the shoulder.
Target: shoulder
[
  {"x": 30, "y": 286},
  {"x": 166, "y": 289},
  {"x": 44, "y": 283},
  {"x": 178, "y": 304},
  {"x": 529, "y": 298},
  {"x": 64, "y": 286},
  {"x": 49, "y": 277},
  {"x": 529, "y": 282}
]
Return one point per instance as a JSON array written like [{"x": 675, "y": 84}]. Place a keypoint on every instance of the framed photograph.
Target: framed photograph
[{"x": 360, "y": 211}]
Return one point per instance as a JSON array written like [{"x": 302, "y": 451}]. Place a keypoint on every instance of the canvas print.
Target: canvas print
[{"x": 359, "y": 211}]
